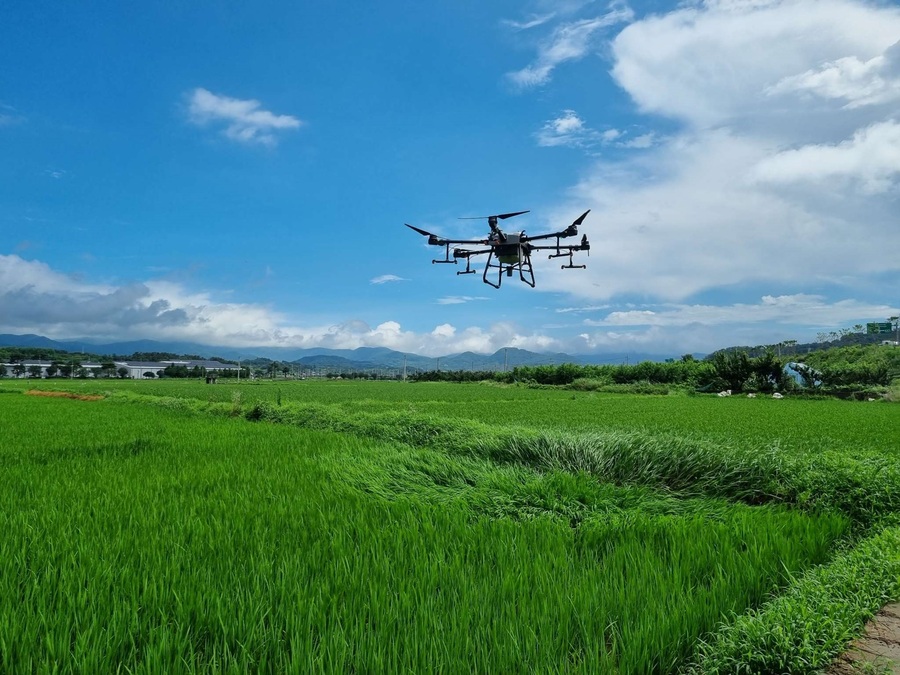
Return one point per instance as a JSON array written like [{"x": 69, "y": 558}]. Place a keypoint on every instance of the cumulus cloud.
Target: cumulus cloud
[
  {"x": 37, "y": 299},
  {"x": 750, "y": 189},
  {"x": 386, "y": 278},
  {"x": 794, "y": 310},
  {"x": 850, "y": 78},
  {"x": 244, "y": 120},
  {"x": 568, "y": 129},
  {"x": 871, "y": 159},
  {"x": 678, "y": 328},
  {"x": 713, "y": 62},
  {"x": 568, "y": 41}
]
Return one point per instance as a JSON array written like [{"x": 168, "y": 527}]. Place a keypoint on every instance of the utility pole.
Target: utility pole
[
  {"x": 896, "y": 320},
  {"x": 404, "y": 367},
  {"x": 505, "y": 359}
]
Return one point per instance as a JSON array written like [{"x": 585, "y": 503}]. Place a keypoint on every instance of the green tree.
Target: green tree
[
  {"x": 768, "y": 372},
  {"x": 123, "y": 372},
  {"x": 149, "y": 375},
  {"x": 733, "y": 368},
  {"x": 2, "y": 370},
  {"x": 35, "y": 371},
  {"x": 18, "y": 369},
  {"x": 53, "y": 369}
]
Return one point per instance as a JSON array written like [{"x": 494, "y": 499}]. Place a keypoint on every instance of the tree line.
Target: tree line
[{"x": 836, "y": 370}]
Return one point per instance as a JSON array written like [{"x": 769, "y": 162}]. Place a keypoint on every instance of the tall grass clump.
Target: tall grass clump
[
  {"x": 805, "y": 628},
  {"x": 664, "y": 461},
  {"x": 865, "y": 487}
]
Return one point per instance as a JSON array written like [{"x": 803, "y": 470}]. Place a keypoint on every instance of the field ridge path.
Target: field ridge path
[{"x": 878, "y": 646}]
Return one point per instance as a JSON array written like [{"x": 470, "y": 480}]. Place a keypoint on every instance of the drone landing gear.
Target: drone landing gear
[
  {"x": 524, "y": 266},
  {"x": 570, "y": 266},
  {"x": 446, "y": 259},
  {"x": 468, "y": 269}
]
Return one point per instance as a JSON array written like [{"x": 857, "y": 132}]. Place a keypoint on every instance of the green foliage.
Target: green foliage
[
  {"x": 658, "y": 520},
  {"x": 872, "y": 365},
  {"x": 155, "y": 539},
  {"x": 788, "y": 634}
]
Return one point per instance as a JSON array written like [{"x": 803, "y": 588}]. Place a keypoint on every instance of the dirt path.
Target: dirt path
[{"x": 878, "y": 650}]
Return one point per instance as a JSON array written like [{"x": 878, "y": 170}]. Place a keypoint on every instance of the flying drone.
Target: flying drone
[{"x": 508, "y": 252}]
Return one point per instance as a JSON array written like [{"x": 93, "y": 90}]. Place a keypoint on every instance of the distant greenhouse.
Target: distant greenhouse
[{"x": 41, "y": 368}]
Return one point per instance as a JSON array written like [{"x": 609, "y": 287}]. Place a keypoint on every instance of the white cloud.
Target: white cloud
[
  {"x": 570, "y": 130},
  {"x": 850, "y": 78},
  {"x": 567, "y": 129},
  {"x": 679, "y": 328},
  {"x": 712, "y": 63},
  {"x": 568, "y": 41},
  {"x": 245, "y": 121},
  {"x": 752, "y": 189},
  {"x": 640, "y": 142},
  {"x": 386, "y": 278},
  {"x": 533, "y": 21},
  {"x": 37, "y": 299},
  {"x": 794, "y": 310},
  {"x": 458, "y": 299},
  {"x": 871, "y": 158},
  {"x": 9, "y": 116},
  {"x": 579, "y": 310}
]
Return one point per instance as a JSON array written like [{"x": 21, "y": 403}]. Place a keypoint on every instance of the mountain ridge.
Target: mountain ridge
[{"x": 361, "y": 358}]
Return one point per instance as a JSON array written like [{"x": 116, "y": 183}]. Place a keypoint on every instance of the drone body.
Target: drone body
[{"x": 509, "y": 252}]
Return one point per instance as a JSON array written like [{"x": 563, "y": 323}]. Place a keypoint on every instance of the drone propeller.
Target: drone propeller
[
  {"x": 499, "y": 216},
  {"x": 572, "y": 229},
  {"x": 433, "y": 239},
  {"x": 580, "y": 219},
  {"x": 427, "y": 234}
]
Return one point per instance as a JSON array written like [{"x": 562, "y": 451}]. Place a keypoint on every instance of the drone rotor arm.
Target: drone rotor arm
[
  {"x": 435, "y": 240},
  {"x": 549, "y": 235},
  {"x": 465, "y": 253},
  {"x": 564, "y": 247},
  {"x": 570, "y": 231}
]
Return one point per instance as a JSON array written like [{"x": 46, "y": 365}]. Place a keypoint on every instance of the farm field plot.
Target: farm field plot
[
  {"x": 161, "y": 529},
  {"x": 794, "y": 424}
]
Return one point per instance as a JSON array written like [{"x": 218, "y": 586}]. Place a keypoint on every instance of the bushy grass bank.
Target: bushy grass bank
[
  {"x": 801, "y": 630},
  {"x": 865, "y": 489}
]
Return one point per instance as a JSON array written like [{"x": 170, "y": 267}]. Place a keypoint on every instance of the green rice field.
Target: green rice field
[{"x": 388, "y": 527}]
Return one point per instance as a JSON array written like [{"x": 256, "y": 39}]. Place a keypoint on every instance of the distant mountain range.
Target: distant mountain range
[{"x": 363, "y": 358}]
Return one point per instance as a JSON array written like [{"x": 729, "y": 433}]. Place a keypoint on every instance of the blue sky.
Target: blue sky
[{"x": 239, "y": 174}]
